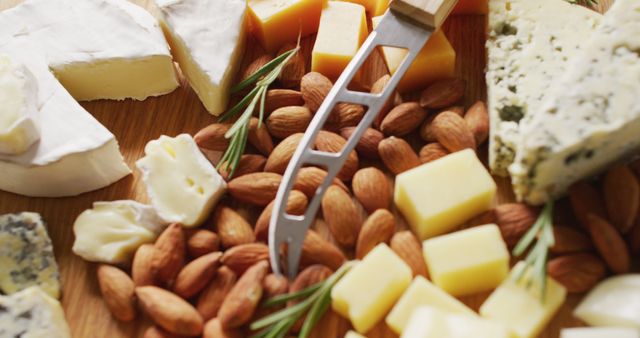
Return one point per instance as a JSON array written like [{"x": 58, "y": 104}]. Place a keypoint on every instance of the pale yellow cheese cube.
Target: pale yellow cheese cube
[
  {"x": 600, "y": 332},
  {"x": 522, "y": 308},
  {"x": 367, "y": 292},
  {"x": 438, "y": 196},
  {"x": 430, "y": 322},
  {"x": 421, "y": 292},
  {"x": 353, "y": 334},
  {"x": 468, "y": 261}
]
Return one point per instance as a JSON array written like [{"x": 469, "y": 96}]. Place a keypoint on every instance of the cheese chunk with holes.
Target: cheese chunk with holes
[
  {"x": 373, "y": 7},
  {"x": 438, "y": 196},
  {"x": 207, "y": 39},
  {"x": 31, "y": 313},
  {"x": 436, "y": 61},
  {"x": 343, "y": 28},
  {"x": 613, "y": 302},
  {"x": 111, "y": 232},
  {"x": 468, "y": 261},
  {"x": 600, "y": 332},
  {"x": 521, "y": 308},
  {"x": 431, "y": 322},
  {"x": 182, "y": 184},
  {"x": 420, "y": 293},
  {"x": 367, "y": 292},
  {"x": 276, "y": 22},
  {"x": 353, "y": 334},
  {"x": 471, "y": 7}
]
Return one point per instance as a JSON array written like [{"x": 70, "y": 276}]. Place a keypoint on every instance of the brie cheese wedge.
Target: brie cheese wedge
[{"x": 613, "y": 302}]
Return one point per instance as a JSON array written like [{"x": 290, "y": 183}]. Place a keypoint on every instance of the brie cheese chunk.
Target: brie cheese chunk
[
  {"x": 182, "y": 184},
  {"x": 111, "y": 232},
  {"x": 529, "y": 44},
  {"x": 31, "y": 313},
  {"x": 613, "y": 302},
  {"x": 592, "y": 118},
  {"x": 207, "y": 39},
  {"x": 18, "y": 108}
]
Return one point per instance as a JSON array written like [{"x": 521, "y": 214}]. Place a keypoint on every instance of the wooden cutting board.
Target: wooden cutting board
[{"x": 134, "y": 123}]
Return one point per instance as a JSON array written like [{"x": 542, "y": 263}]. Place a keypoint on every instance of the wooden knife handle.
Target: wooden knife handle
[{"x": 430, "y": 13}]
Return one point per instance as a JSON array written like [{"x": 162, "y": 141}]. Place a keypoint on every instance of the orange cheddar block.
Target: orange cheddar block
[
  {"x": 436, "y": 61},
  {"x": 343, "y": 28},
  {"x": 373, "y": 7},
  {"x": 471, "y": 7},
  {"x": 276, "y": 22}
]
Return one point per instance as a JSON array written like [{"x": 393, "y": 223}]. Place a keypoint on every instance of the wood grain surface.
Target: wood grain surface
[{"x": 134, "y": 123}]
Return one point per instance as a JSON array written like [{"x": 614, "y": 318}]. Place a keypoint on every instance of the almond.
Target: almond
[
  {"x": 241, "y": 257},
  {"x": 403, "y": 119},
  {"x": 609, "y": 244},
  {"x": 621, "y": 197},
  {"x": 426, "y": 130},
  {"x": 282, "y": 154},
  {"x": 348, "y": 114},
  {"x": 259, "y": 137},
  {"x": 635, "y": 166},
  {"x": 367, "y": 144},
  {"x": 514, "y": 220},
  {"x": 314, "y": 88},
  {"x": 286, "y": 121},
  {"x": 342, "y": 216},
  {"x": 141, "y": 271},
  {"x": 212, "y": 137},
  {"x": 239, "y": 305},
  {"x": 169, "y": 311},
  {"x": 378, "y": 228},
  {"x": 294, "y": 69},
  {"x": 278, "y": 98},
  {"x": 275, "y": 285},
  {"x": 585, "y": 199},
  {"x": 255, "y": 65},
  {"x": 452, "y": 132},
  {"x": 372, "y": 189},
  {"x": 309, "y": 276},
  {"x": 213, "y": 295},
  {"x": 377, "y": 88},
  {"x": 196, "y": 275},
  {"x": 397, "y": 155},
  {"x": 331, "y": 142},
  {"x": 257, "y": 188},
  {"x": 233, "y": 229},
  {"x": 634, "y": 239},
  {"x": 249, "y": 163},
  {"x": 477, "y": 119},
  {"x": 296, "y": 205},
  {"x": 442, "y": 93},
  {"x": 156, "y": 332},
  {"x": 310, "y": 178},
  {"x": 202, "y": 242},
  {"x": 408, "y": 247},
  {"x": 213, "y": 329},
  {"x": 316, "y": 250},
  {"x": 118, "y": 292},
  {"x": 577, "y": 272},
  {"x": 569, "y": 240},
  {"x": 168, "y": 254},
  {"x": 432, "y": 152}
]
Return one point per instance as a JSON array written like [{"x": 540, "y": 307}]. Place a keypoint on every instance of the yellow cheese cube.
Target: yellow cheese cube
[
  {"x": 367, "y": 292},
  {"x": 521, "y": 308},
  {"x": 436, "y": 61},
  {"x": 276, "y": 22},
  {"x": 467, "y": 261},
  {"x": 438, "y": 196},
  {"x": 600, "y": 332},
  {"x": 430, "y": 322},
  {"x": 343, "y": 28},
  {"x": 353, "y": 334},
  {"x": 421, "y": 292},
  {"x": 373, "y": 7}
]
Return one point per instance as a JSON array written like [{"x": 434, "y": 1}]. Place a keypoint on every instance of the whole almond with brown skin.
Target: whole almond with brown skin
[
  {"x": 169, "y": 311},
  {"x": 408, "y": 247},
  {"x": 309, "y": 276},
  {"x": 397, "y": 155},
  {"x": 477, "y": 119},
  {"x": 259, "y": 137},
  {"x": 577, "y": 272},
  {"x": 282, "y": 154},
  {"x": 294, "y": 69},
  {"x": 403, "y": 119},
  {"x": 443, "y": 93},
  {"x": 634, "y": 239},
  {"x": 275, "y": 285},
  {"x": 621, "y": 196},
  {"x": 348, "y": 114},
  {"x": 314, "y": 88},
  {"x": 118, "y": 292},
  {"x": 213, "y": 329},
  {"x": 569, "y": 240},
  {"x": 232, "y": 228},
  {"x": 452, "y": 132},
  {"x": 196, "y": 275},
  {"x": 286, "y": 121},
  {"x": 635, "y": 166},
  {"x": 255, "y": 65},
  {"x": 609, "y": 244},
  {"x": 514, "y": 220},
  {"x": 333, "y": 143},
  {"x": 317, "y": 250},
  {"x": 342, "y": 216},
  {"x": 213, "y": 295},
  {"x": 278, "y": 98},
  {"x": 296, "y": 205},
  {"x": 372, "y": 189},
  {"x": 156, "y": 332},
  {"x": 257, "y": 188},
  {"x": 202, "y": 242},
  {"x": 212, "y": 137},
  {"x": 432, "y": 152},
  {"x": 241, "y": 257},
  {"x": 239, "y": 305},
  {"x": 310, "y": 178},
  {"x": 585, "y": 199},
  {"x": 377, "y": 228},
  {"x": 141, "y": 271},
  {"x": 249, "y": 163},
  {"x": 168, "y": 254},
  {"x": 367, "y": 145},
  {"x": 377, "y": 88},
  {"x": 426, "y": 130}
]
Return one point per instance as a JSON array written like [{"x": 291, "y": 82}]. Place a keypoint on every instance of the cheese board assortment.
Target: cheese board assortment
[{"x": 456, "y": 214}]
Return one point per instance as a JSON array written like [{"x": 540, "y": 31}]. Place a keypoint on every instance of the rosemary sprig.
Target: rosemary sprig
[
  {"x": 589, "y": 3},
  {"x": 239, "y": 131},
  {"x": 278, "y": 324},
  {"x": 536, "y": 260}
]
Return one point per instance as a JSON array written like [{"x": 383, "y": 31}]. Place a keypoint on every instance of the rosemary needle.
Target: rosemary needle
[{"x": 584, "y": 2}]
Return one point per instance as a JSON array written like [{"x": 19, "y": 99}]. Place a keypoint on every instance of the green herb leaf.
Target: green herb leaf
[
  {"x": 281, "y": 299},
  {"x": 589, "y": 3}
]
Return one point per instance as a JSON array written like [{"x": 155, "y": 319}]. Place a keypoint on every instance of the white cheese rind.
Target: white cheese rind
[
  {"x": 613, "y": 302},
  {"x": 593, "y": 117},
  {"x": 31, "y": 313},
  {"x": 529, "y": 44}
]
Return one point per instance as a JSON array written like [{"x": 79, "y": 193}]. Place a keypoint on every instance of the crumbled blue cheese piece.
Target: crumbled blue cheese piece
[{"x": 31, "y": 313}]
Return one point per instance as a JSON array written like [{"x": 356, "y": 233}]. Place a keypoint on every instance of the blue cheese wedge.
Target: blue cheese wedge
[
  {"x": 529, "y": 45},
  {"x": 31, "y": 313},
  {"x": 593, "y": 116},
  {"x": 26, "y": 255}
]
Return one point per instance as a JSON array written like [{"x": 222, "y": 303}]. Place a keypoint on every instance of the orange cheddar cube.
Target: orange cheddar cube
[
  {"x": 373, "y": 7},
  {"x": 471, "y": 7}
]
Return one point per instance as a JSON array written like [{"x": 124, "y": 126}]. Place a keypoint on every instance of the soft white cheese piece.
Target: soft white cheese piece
[
  {"x": 31, "y": 313},
  {"x": 613, "y": 302},
  {"x": 207, "y": 38},
  {"x": 18, "y": 108},
  {"x": 592, "y": 118},
  {"x": 182, "y": 184},
  {"x": 529, "y": 45},
  {"x": 431, "y": 322},
  {"x": 599, "y": 332},
  {"x": 111, "y": 232}
]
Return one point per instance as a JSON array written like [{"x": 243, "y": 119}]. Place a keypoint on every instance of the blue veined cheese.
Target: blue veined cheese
[
  {"x": 31, "y": 313},
  {"x": 593, "y": 117},
  {"x": 26, "y": 255},
  {"x": 529, "y": 45}
]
